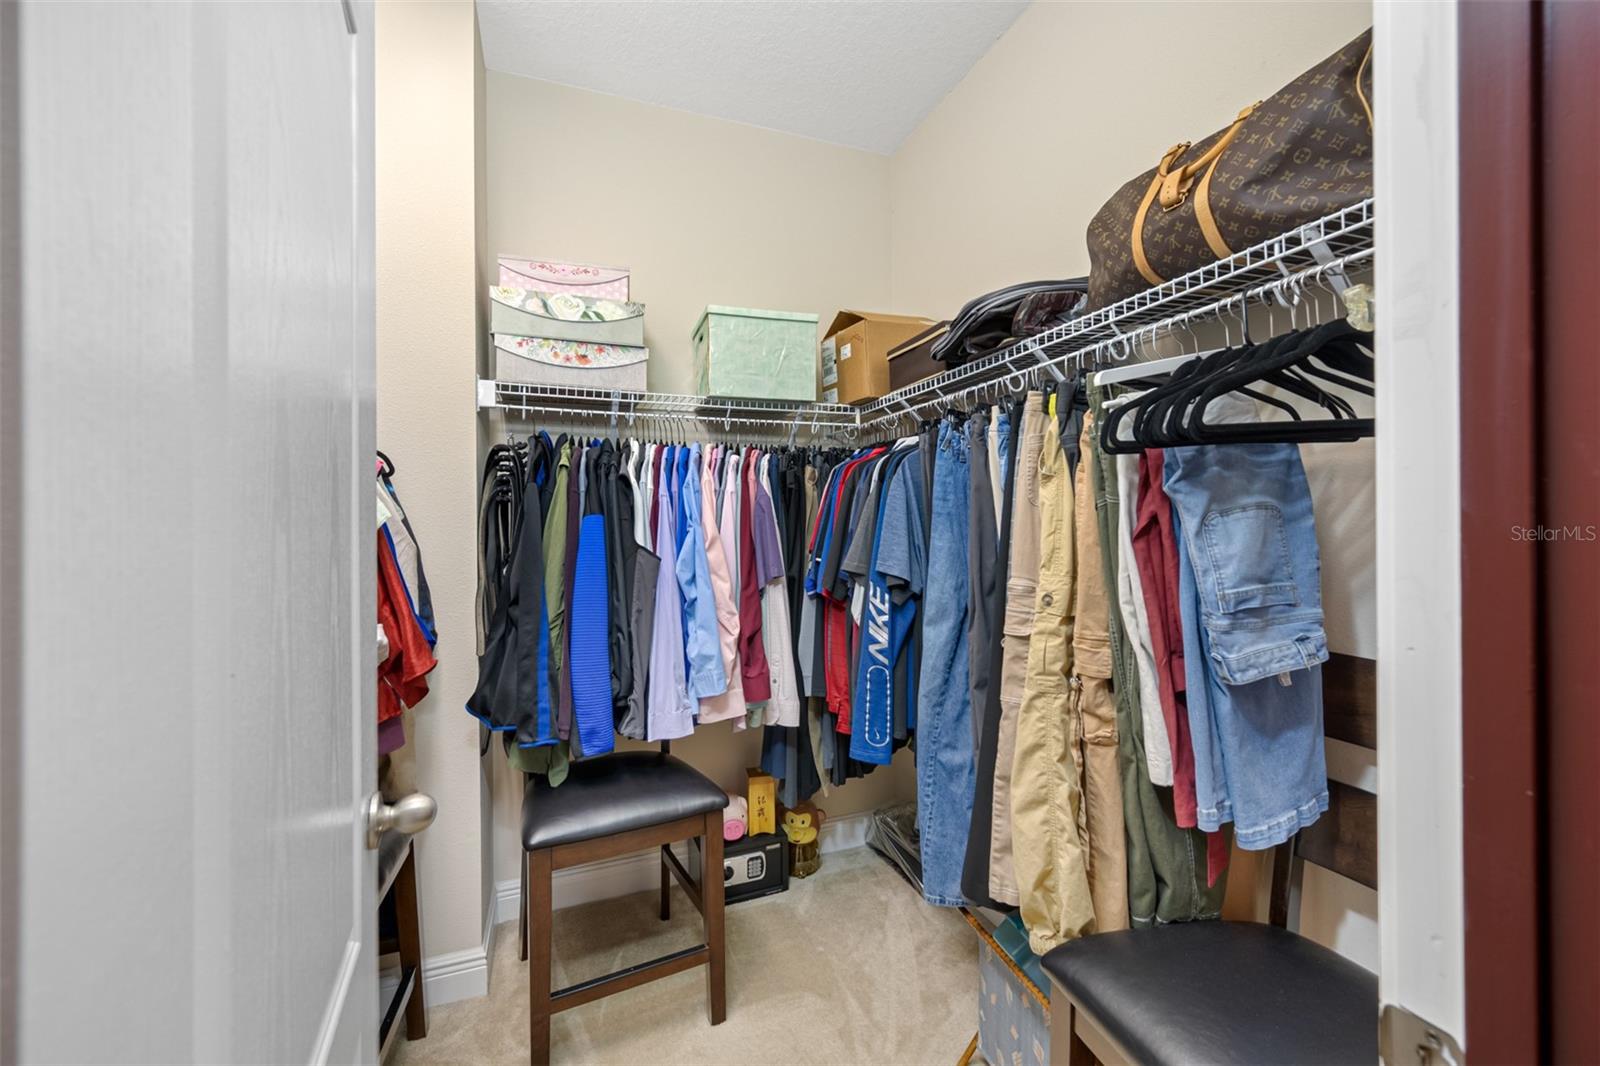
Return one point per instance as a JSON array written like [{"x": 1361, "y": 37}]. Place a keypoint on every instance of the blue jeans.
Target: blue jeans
[
  {"x": 945, "y": 760},
  {"x": 1250, "y": 587}
]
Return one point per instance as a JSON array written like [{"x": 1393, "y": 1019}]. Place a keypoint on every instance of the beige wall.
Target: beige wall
[
  {"x": 702, "y": 211},
  {"x": 427, "y": 330},
  {"x": 989, "y": 189},
  {"x": 998, "y": 183}
]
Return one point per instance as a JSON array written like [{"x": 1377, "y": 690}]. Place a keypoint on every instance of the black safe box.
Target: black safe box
[{"x": 752, "y": 866}]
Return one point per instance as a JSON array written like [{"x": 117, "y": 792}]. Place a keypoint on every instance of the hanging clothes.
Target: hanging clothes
[
  {"x": 670, "y": 709},
  {"x": 975, "y": 872},
  {"x": 729, "y": 703},
  {"x": 408, "y": 554},
  {"x": 777, "y": 641},
  {"x": 945, "y": 752},
  {"x": 402, "y": 667},
  {"x": 589, "y": 646},
  {"x": 1174, "y": 872},
  {"x": 701, "y": 628},
  {"x": 1022, "y": 583}
]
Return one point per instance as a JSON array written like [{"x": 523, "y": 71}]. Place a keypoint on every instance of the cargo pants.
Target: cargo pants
[{"x": 1047, "y": 843}]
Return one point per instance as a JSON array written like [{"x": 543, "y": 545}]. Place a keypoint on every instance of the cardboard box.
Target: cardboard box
[
  {"x": 763, "y": 795},
  {"x": 861, "y": 343},
  {"x": 912, "y": 360}
]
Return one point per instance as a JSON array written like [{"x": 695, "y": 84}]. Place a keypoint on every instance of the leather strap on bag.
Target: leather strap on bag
[
  {"x": 1172, "y": 184},
  {"x": 1361, "y": 94},
  {"x": 1175, "y": 186},
  {"x": 1162, "y": 169}
]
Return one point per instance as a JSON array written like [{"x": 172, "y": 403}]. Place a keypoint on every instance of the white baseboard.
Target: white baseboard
[
  {"x": 462, "y": 974},
  {"x": 640, "y": 872}
]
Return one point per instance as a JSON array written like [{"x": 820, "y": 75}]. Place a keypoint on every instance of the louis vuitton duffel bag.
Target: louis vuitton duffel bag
[{"x": 1302, "y": 153}]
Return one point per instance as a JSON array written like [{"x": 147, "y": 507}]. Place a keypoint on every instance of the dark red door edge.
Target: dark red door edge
[
  {"x": 1569, "y": 510},
  {"x": 1499, "y": 608}
]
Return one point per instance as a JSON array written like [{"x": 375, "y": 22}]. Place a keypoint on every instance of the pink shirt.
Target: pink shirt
[{"x": 729, "y": 704}]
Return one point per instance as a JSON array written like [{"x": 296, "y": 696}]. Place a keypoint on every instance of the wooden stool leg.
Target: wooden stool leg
[
  {"x": 666, "y": 885},
  {"x": 408, "y": 912},
  {"x": 711, "y": 914},
  {"x": 1066, "y": 1046},
  {"x": 522, "y": 912},
  {"x": 539, "y": 922}
]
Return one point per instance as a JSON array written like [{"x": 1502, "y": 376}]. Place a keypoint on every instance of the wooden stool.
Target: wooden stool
[
  {"x": 608, "y": 807},
  {"x": 1238, "y": 991}
]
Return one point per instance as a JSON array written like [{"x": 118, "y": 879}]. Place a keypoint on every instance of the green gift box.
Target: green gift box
[{"x": 744, "y": 352}]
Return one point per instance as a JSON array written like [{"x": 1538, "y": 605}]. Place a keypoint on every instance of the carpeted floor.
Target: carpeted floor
[{"x": 848, "y": 966}]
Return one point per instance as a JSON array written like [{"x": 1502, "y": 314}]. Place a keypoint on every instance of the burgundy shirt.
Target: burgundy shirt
[
  {"x": 1155, "y": 551},
  {"x": 655, "y": 498},
  {"x": 752, "y": 655}
]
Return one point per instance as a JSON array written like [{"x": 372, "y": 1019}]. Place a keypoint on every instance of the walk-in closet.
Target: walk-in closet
[{"x": 666, "y": 531}]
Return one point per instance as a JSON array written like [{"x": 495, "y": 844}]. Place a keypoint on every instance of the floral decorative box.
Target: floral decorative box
[
  {"x": 565, "y": 316},
  {"x": 548, "y": 275},
  {"x": 547, "y": 361}
]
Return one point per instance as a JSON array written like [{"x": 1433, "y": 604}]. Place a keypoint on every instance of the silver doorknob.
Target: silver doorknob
[{"x": 408, "y": 815}]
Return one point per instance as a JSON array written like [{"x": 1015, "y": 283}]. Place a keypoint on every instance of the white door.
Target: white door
[
  {"x": 188, "y": 622},
  {"x": 1421, "y": 916}
]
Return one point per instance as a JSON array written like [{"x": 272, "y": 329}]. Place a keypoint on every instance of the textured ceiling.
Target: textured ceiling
[{"x": 861, "y": 74}]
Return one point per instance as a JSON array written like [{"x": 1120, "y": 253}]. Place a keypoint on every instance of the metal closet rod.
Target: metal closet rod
[
  {"x": 685, "y": 424},
  {"x": 644, "y": 402},
  {"x": 1123, "y": 346}
]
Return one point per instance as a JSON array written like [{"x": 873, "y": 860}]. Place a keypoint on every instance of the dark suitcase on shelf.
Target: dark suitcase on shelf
[{"x": 912, "y": 360}]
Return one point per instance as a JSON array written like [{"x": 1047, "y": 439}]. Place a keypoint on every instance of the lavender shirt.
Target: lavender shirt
[{"x": 669, "y": 712}]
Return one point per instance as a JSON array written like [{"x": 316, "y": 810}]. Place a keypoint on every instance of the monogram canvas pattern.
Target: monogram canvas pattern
[{"x": 1301, "y": 154}]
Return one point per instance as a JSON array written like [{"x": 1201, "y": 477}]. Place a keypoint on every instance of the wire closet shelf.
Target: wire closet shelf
[{"x": 1274, "y": 272}]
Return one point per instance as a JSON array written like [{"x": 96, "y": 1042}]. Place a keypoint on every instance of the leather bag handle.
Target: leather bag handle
[
  {"x": 1172, "y": 183},
  {"x": 1175, "y": 183}
]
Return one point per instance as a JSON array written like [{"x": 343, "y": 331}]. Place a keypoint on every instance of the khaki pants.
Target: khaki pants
[
  {"x": 1022, "y": 588},
  {"x": 1094, "y": 709},
  {"x": 1048, "y": 855}
]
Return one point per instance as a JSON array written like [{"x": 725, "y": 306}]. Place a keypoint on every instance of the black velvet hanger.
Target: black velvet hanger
[{"x": 1173, "y": 413}]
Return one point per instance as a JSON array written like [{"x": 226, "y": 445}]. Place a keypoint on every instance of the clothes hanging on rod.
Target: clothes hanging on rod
[
  {"x": 1133, "y": 754},
  {"x": 405, "y": 614},
  {"x": 1070, "y": 603},
  {"x": 647, "y": 588}
]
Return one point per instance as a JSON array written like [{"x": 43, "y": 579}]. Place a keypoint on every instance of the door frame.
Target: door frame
[
  {"x": 1418, "y": 513},
  {"x": 1568, "y": 40},
  {"x": 1530, "y": 467},
  {"x": 1502, "y": 849}
]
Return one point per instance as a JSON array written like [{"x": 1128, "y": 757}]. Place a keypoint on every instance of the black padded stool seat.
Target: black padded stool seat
[
  {"x": 613, "y": 794},
  {"x": 1221, "y": 992},
  {"x": 608, "y": 807}
]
